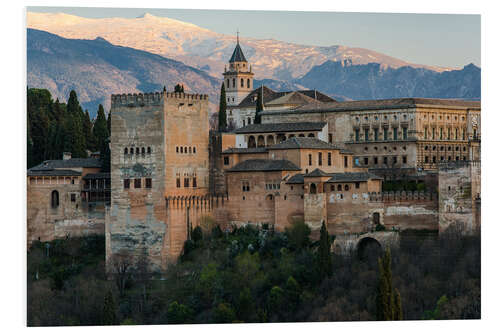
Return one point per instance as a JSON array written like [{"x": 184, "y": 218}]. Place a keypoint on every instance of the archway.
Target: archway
[
  {"x": 251, "y": 142},
  {"x": 270, "y": 140},
  {"x": 261, "y": 142},
  {"x": 280, "y": 138},
  {"x": 376, "y": 218},
  {"x": 310, "y": 135},
  {"x": 313, "y": 189},
  {"x": 369, "y": 249}
]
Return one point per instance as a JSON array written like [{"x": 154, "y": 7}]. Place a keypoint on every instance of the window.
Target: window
[
  {"x": 137, "y": 183},
  {"x": 433, "y": 159},
  {"x": 234, "y": 83},
  {"x": 346, "y": 187},
  {"x": 310, "y": 159},
  {"x": 54, "y": 199},
  {"x": 137, "y": 151},
  {"x": 426, "y": 159},
  {"x": 345, "y": 162},
  {"x": 248, "y": 83},
  {"x": 357, "y": 184},
  {"x": 143, "y": 151},
  {"x": 339, "y": 187},
  {"x": 194, "y": 150},
  {"x": 463, "y": 134},
  {"x": 73, "y": 197},
  {"x": 182, "y": 150},
  {"x": 330, "y": 138},
  {"x": 394, "y": 159},
  {"x": 149, "y": 183},
  {"x": 367, "y": 134},
  {"x": 194, "y": 182},
  {"x": 404, "y": 159},
  {"x": 125, "y": 151},
  {"x": 395, "y": 133},
  {"x": 329, "y": 158},
  {"x": 226, "y": 160},
  {"x": 332, "y": 188},
  {"x": 375, "y": 134},
  {"x": 375, "y": 160},
  {"x": 405, "y": 133},
  {"x": 356, "y": 134},
  {"x": 245, "y": 186},
  {"x": 433, "y": 133},
  {"x": 386, "y": 133},
  {"x": 186, "y": 182},
  {"x": 425, "y": 133},
  {"x": 176, "y": 149},
  {"x": 126, "y": 184},
  {"x": 320, "y": 159},
  {"x": 385, "y": 160},
  {"x": 366, "y": 160},
  {"x": 149, "y": 150},
  {"x": 178, "y": 181},
  {"x": 449, "y": 133},
  {"x": 228, "y": 86},
  {"x": 440, "y": 133},
  {"x": 242, "y": 83},
  {"x": 456, "y": 133}
]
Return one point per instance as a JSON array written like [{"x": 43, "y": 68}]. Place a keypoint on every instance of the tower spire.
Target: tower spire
[{"x": 237, "y": 36}]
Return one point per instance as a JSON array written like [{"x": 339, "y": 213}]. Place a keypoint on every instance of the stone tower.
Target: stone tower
[
  {"x": 238, "y": 78},
  {"x": 159, "y": 150}
]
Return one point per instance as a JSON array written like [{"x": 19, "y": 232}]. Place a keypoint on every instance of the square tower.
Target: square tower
[
  {"x": 159, "y": 148},
  {"x": 238, "y": 78}
]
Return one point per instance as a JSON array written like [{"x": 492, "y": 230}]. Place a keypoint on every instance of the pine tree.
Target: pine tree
[
  {"x": 259, "y": 106},
  {"x": 324, "y": 253},
  {"x": 222, "y": 109}
]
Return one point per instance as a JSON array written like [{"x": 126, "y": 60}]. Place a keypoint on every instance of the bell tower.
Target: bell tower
[{"x": 238, "y": 78}]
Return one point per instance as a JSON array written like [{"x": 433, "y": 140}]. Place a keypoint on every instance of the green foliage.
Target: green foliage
[
  {"x": 179, "y": 88},
  {"x": 298, "y": 234},
  {"x": 222, "y": 109},
  {"x": 388, "y": 300},
  {"x": 277, "y": 300},
  {"x": 109, "y": 310},
  {"x": 379, "y": 227},
  {"x": 101, "y": 138},
  {"x": 436, "y": 314},
  {"x": 246, "y": 305},
  {"x": 324, "y": 253},
  {"x": 292, "y": 290},
  {"x": 179, "y": 313},
  {"x": 197, "y": 235},
  {"x": 224, "y": 313}
]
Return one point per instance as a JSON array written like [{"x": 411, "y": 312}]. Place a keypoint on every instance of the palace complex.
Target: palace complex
[{"x": 311, "y": 158}]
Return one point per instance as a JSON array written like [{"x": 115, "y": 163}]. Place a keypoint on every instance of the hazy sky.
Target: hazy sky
[{"x": 430, "y": 39}]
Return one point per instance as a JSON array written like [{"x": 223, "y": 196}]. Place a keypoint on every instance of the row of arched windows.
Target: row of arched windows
[
  {"x": 185, "y": 150},
  {"x": 242, "y": 83},
  {"x": 138, "y": 150}
]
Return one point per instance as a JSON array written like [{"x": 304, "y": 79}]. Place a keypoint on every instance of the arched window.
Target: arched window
[
  {"x": 313, "y": 189},
  {"x": 339, "y": 187},
  {"x": 125, "y": 151},
  {"x": 137, "y": 150},
  {"x": 248, "y": 83},
  {"x": 194, "y": 150},
  {"x": 234, "y": 83},
  {"x": 251, "y": 142},
  {"x": 190, "y": 150},
  {"x": 143, "y": 151},
  {"x": 228, "y": 83},
  {"x": 182, "y": 150},
  {"x": 376, "y": 218},
  {"x": 149, "y": 150},
  {"x": 346, "y": 187},
  {"x": 260, "y": 141},
  {"x": 54, "y": 199},
  {"x": 242, "y": 83},
  {"x": 131, "y": 150},
  {"x": 310, "y": 135}
]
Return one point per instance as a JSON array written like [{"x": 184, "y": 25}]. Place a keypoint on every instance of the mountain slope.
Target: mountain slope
[
  {"x": 205, "y": 49},
  {"x": 373, "y": 81},
  {"x": 95, "y": 69}
]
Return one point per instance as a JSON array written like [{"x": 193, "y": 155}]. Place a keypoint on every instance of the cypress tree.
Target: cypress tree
[
  {"x": 388, "y": 300},
  {"x": 179, "y": 88},
  {"x": 108, "y": 122},
  {"x": 222, "y": 109},
  {"x": 87, "y": 131},
  {"x": 109, "y": 310},
  {"x": 29, "y": 142},
  {"x": 324, "y": 253},
  {"x": 75, "y": 126},
  {"x": 100, "y": 129},
  {"x": 259, "y": 106}
]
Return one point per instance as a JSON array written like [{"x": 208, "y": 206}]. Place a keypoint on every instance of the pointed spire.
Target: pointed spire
[{"x": 238, "y": 36}]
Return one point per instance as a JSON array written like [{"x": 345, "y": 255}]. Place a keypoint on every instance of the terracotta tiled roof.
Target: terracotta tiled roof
[
  {"x": 352, "y": 177},
  {"x": 264, "y": 165},
  {"x": 245, "y": 150},
  {"x": 69, "y": 163},
  {"x": 281, "y": 127},
  {"x": 53, "y": 172},
  {"x": 304, "y": 143}
]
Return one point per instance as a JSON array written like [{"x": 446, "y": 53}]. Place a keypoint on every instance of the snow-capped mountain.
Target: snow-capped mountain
[{"x": 205, "y": 49}]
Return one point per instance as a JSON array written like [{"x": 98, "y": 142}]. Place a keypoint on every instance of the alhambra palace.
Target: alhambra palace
[{"x": 311, "y": 158}]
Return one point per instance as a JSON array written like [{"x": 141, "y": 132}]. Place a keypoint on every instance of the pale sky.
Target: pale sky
[{"x": 430, "y": 39}]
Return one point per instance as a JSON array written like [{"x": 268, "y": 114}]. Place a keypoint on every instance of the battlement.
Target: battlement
[
  {"x": 402, "y": 196},
  {"x": 153, "y": 98}
]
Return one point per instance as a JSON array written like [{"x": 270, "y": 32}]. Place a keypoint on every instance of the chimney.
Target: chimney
[{"x": 66, "y": 155}]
